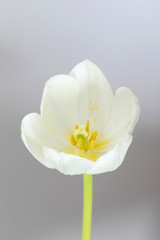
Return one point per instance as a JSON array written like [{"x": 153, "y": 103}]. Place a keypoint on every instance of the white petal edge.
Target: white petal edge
[
  {"x": 125, "y": 114},
  {"x": 67, "y": 164},
  {"x": 111, "y": 160},
  {"x": 35, "y": 136},
  {"x": 95, "y": 96}
]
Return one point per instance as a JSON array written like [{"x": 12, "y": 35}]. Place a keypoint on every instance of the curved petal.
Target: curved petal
[
  {"x": 35, "y": 136},
  {"x": 124, "y": 115},
  {"x": 95, "y": 95},
  {"x": 68, "y": 164},
  {"x": 111, "y": 160},
  {"x": 59, "y": 105}
]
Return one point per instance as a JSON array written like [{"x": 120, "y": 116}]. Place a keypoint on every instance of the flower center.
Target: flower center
[{"x": 82, "y": 138}]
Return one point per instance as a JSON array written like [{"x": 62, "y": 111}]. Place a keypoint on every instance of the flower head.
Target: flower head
[{"x": 83, "y": 127}]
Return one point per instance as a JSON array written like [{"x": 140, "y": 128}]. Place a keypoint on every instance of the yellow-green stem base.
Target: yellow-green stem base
[{"x": 87, "y": 206}]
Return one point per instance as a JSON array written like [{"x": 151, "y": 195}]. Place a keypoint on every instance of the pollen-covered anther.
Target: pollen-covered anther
[
  {"x": 87, "y": 126},
  {"x": 91, "y": 145},
  {"x": 73, "y": 140},
  {"x": 94, "y": 136},
  {"x": 76, "y": 126}
]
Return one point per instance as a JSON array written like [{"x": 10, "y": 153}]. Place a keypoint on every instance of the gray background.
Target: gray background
[{"x": 39, "y": 39}]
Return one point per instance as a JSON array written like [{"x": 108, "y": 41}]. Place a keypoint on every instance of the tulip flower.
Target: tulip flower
[{"x": 83, "y": 128}]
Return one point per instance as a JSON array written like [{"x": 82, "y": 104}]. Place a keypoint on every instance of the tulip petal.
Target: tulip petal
[
  {"x": 35, "y": 136},
  {"x": 124, "y": 115},
  {"x": 67, "y": 164},
  {"x": 59, "y": 105},
  {"x": 111, "y": 160},
  {"x": 95, "y": 95}
]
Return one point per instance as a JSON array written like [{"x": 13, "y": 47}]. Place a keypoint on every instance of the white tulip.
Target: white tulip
[{"x": 83, "y": 127}]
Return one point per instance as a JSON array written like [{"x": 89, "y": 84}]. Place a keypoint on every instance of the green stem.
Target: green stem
[{"x": 87, "y": 207}]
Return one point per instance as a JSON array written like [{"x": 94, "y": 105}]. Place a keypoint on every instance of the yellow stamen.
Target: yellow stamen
[
  {"x": 73, "y": 140},
  {"x": 76, "y": 127},
  {"x": 80, "y": 143},
  {"x": 84, "y": 138},
  {"x": 91, "y": 145},
  {"x": 87, "y": 126},
  {"x": 94, "y": 136}
]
